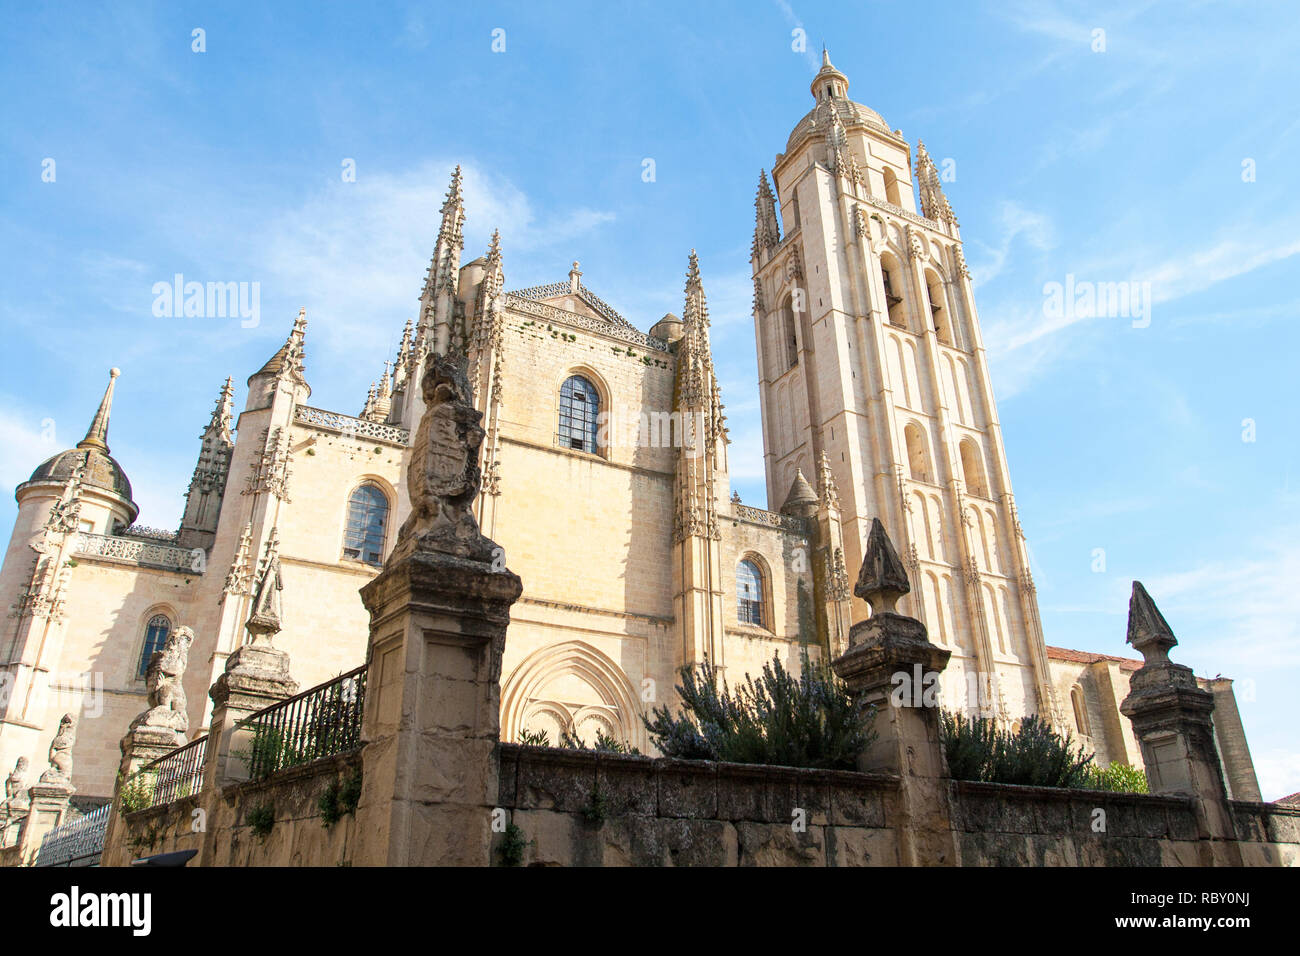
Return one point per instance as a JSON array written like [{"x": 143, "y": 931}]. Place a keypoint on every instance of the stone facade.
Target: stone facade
[{"x": 876, "y": 402}]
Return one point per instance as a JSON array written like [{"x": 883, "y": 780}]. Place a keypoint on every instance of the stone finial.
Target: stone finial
[
  {"x": 264, "y": 619},
  {"x": 165, "y": 683},
  {"x": 575, "y": 278},
  {"x": 60, "y": 771},
  {"x": 883, "y": 579},
  {"x": 1148, "y": 631},
  {"x": 443, "y": 477}
]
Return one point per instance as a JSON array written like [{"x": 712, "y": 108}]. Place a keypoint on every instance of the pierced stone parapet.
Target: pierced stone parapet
[
  {"x": 790, "y": 523},
  {"x": 143, "y": 552},
  {"x": 350, "y": 426}
]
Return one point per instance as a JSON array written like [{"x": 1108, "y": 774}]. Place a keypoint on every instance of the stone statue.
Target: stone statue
[
  {"x": 61, "y": 752},
  {"x": 167, "y": 705},
  {"x": 443, "y": 478},
  {"x": 16, "y": 782}
]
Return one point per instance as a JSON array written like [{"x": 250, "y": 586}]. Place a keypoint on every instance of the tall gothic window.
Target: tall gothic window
[
  {"x": 363, "y": 537},
  {"x": 749, "y": 593},
  {"x": 155, "y": 636},
  {"x": 579, "y": 406},
  {"x": 1080, "y": 710}
]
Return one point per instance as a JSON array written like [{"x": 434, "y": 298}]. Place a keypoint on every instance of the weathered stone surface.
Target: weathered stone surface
[
  {"x": 855, "y": 846},
  {"x": 627, "y": 784},
  {"x": 742, "y": 792},
  {"x": 552, "y": 779},
  {"x": 774, "y": 844},
  {"x": 855, "y": 803},
  {"x": 687, "y": 788}
]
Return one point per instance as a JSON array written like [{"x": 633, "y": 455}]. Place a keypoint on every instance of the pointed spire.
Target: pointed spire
[
  {"x": 224, "y": 412},
  {"x": 883, "y": 579},
  {"x": 1148, "y": 631},
  {"x": 287, "y": 362},
  {"x": 694, "y": 355},
  {"x": 829, "y": 81},
  {"x": 801, "y": 500},
  {"x": 97, "y": 433},
  {"x": 934, "y": 205},
  {"x": 767, "y": 229},
  {"x": 827, "y": 492},
  {"x": 444, "y": 263},
  {"x": 494, "y": 249}
]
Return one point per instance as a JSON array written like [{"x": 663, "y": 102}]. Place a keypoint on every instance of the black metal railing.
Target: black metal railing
[
  {"x": 172, "y": 776},
  {"x": 77, "y": 843},
  {"x": 319, "y": 722}
]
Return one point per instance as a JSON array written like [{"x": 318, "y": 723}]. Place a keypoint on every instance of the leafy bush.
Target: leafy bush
[
  {"x": 1117, "y": 778},
  {"x": 261, "y": 819},
  {"x": 1035, "y": 755},
  {"x": 569, "y": 741},
  {"x": 805, "y": 721},
  {"x": 138, "y": 790}
]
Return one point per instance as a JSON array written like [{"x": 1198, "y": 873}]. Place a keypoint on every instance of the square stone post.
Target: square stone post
[
  {"x": 49, "y": 807},
  {"x": 892, "y": 666},
  {"x": 1173, "y": 720},
  {"x": 438, "y": 617}
]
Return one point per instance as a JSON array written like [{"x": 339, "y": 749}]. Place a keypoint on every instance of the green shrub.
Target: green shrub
[
  {"x": 261, "y": 819},
  {"x": 350, "y": 792},
  {"x": 137, "y": 791},
  {"x": 512, "y": 846},
  {"x": 328, "y": 805},
  {"x": 1117, "y": 778},
  {"x": 805, "y": 721},
  {"x": 569, "y": 741},
  {"x": 1035, "y": 755}
]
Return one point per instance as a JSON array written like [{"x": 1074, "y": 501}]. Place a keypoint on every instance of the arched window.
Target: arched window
[
  {"x": 1080, "y": 710},
  {"x": 893, "y": 294},
  {"x": 155, "y": 636},
  {"x": 790, "y": 344},
  {"x": 749, "y": 594},
  {"x": 934, "y": 290},
  {"x": 918, "y": 458},
  {"x": 579, "y": 406},
  {"x": 972, "y": 468},
  {"x": 363, "y": 536},
  {"x": 891, "y": 187}
]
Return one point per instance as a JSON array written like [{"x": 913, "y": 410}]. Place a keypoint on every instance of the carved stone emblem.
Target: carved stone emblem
[{"x": 443, "y": 478}]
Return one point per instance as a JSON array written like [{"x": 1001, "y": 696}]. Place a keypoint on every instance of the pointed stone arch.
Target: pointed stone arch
[{"x": 571, "y": 686}]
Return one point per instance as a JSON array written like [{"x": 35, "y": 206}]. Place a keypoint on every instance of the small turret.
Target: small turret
[{"x": 208, "y": 483}]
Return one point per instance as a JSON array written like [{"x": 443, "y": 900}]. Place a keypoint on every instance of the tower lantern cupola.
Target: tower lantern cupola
[{"x": 829, "y": 82}]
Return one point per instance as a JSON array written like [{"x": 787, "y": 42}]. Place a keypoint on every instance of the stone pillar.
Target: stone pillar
[
  {"x": 438, "y": 617},
  {"x": 1173, "y": 720},
  {"x": 892, "y": 666}
]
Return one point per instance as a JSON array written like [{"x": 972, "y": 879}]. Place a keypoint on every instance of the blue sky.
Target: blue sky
[{"x": 1111, "y": 166}]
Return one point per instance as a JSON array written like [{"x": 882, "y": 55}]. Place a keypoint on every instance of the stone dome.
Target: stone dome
[
  {"x": 102, "y": 470},
  {"x": 830, "y": 89}
]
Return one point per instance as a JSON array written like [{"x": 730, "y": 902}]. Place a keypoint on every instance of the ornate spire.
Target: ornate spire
[
  {"x": 843, "y": 162},
  {"x": 829, "y": 82},
  {"x": 826, "y": 490},
  {"x": 450, "y": 237},
  {"x": 801, "y": 500},
  {"x": 767, "y": 229},
  {"x": 933, "y": 203},
  {"x": 694, "y": 355},
  {"x": 1148, "y": 631},
  {"x": 208, "y": 483},
  {"x": 287, "y": 362},
  {"x": 97, "y": 433},
  {"x": 883, "y": 579}
]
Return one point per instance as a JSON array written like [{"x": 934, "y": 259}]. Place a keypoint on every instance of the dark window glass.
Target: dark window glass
[
  {"x": 155, "y": 636},
  {"x": 579, "y": 407},
  {"x": 363, "y": 538},
  {"x": 749, "y": 593}
]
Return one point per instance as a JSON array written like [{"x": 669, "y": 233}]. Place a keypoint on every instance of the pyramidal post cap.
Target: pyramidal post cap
[
  {"x": 1148, "y": 631},
  {"x": 883, "y": 579}
]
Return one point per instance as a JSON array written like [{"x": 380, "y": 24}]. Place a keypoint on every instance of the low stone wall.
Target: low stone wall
[
  {"x": 1003, "y": 825},
  {"x": 1267, "y": 833},
  {"x": 223, "y": 835},
  {"x": 578, "y": 808}
]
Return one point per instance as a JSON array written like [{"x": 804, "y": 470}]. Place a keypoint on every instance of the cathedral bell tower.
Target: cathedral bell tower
[{"x": 872, "y": 375}]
